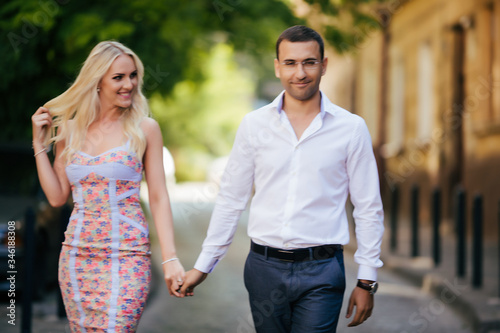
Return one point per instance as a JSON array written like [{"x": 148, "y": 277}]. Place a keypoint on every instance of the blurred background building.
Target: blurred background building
[{"x": 428, "y": 86}]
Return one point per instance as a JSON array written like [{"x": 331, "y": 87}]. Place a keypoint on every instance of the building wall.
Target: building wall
[{"x": 441, "y": 108}]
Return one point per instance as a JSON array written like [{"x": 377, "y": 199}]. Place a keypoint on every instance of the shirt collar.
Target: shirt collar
[{"x": 326, "y": 105}]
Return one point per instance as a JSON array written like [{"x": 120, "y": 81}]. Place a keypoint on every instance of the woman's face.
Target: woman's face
[{"x": 119, "y": 83}]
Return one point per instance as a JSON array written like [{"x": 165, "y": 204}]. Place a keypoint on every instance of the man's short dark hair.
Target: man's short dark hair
[{"x": 300, "y": 33}]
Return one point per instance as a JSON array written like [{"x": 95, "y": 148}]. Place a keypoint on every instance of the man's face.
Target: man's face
[{"x": 301, "y": 82}]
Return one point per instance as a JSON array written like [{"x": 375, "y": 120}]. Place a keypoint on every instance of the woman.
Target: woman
[{"x": 103, "y": 141}]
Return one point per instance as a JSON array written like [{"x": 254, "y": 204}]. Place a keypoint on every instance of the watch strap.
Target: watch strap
[{"x": 371, "y": 287}]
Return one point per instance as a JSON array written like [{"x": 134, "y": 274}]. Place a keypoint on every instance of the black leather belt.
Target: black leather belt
[{"x": 310, "y": 253}]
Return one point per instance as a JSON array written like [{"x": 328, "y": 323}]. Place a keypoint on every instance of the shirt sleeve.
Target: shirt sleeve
[
  {"x": 364, "y": 189},
  {"x": 235, "y": 190}
]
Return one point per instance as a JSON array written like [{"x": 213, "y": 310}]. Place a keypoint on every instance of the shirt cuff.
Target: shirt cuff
[
  {"x": 367, "y": 273},
  {"x": 206, "y": 263}
]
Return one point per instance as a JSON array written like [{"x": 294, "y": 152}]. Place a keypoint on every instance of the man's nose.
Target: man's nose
[{"x": 300, "y": 71}]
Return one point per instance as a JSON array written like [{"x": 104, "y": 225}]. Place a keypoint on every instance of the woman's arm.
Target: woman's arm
[
  {"x": 159, "y": 204},
  {"x": 52, "y": 178}
]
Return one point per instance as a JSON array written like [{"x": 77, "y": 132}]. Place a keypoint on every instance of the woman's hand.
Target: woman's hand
[
  {"x": 41, "y": 122},
  {"x": 175, "y": 276}
]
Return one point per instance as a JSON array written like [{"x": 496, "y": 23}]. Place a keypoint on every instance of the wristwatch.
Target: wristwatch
[{"x": 371, "y": 287}]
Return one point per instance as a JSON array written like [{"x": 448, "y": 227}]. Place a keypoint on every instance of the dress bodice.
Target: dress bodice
[{"x": 92, "y": 177}]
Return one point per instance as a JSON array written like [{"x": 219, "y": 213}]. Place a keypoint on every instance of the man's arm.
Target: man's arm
[
  {"x": 364, "y": 190},
  {"x": 368, "y": 215}
]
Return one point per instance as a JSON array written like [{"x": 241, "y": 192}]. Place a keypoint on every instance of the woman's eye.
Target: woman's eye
[
  {"x": 118, "y": 77},
  {"x": 134, "y": 74}
]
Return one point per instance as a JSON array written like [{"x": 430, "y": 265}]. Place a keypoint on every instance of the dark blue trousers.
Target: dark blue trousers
[{"x": 296, "y": 297}]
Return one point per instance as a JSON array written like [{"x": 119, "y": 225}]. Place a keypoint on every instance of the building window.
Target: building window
[
  {"x": 484, "y": 94},
  {"x": 425, "y": 93},
  {"x": 396, "y": 121},
  {"x": 370, "y": 98},
  {"x": 495, "y": 60}
]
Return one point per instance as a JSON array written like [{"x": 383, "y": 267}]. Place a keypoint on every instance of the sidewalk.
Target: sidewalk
[{"x": 480, "y": 307}]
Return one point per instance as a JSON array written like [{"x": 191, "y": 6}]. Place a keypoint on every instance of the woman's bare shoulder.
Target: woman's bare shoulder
[
  {"x": 149, "y": 123},
  {"x": 149, "y": 126}
]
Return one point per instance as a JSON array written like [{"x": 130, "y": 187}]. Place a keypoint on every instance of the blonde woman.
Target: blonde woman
[{"x": 103, "y": 141}]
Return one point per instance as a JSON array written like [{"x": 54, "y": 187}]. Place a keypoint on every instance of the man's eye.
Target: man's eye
[
  {"x": 310, "y": 63},
  {"x": 290, "y": 63}
]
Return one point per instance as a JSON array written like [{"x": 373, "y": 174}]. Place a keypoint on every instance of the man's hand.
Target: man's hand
[
  {"x": 363, "y": 301},
  {"x": 193, "y": 278}
]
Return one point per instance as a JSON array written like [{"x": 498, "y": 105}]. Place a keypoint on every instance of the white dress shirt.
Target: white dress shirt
[{"x": 301, "y": 186}]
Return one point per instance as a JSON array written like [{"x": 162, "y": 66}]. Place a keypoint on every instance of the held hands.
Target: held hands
[
  {"x": 174, "y": 276},
  {"x": 193, "y": 278},
  {"x": 363, "y": 301}
]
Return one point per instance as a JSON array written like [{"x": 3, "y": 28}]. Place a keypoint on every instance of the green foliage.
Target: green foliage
[
  {"x": 352, "y": 21},
  {"x": 193, "y": 52},
  {"x": 44, "y": 42},
  {"x": 199, "y": 120}
]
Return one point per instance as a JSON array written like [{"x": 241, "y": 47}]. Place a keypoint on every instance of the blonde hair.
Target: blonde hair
[{"x": 78, "y": 107}]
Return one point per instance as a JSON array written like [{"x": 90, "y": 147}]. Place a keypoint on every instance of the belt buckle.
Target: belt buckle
[{"x": 289, "y": 252}]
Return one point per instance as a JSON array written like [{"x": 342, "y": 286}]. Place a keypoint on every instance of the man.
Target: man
[{"x": 304, "y": 155}]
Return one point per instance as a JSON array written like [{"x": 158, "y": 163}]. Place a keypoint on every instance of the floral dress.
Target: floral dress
[{"x": 105, "y": 265}]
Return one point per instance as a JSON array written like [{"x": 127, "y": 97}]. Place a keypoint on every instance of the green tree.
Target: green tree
[
  {"x": 197, "y": 55},
  {"x": 44, "y": 43},
  {"x": 349, "y": 22},
  {"x": 199, "y": 120}
]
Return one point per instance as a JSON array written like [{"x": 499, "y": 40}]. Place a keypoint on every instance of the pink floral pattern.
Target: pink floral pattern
[{"x": 104, "y": 267}]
